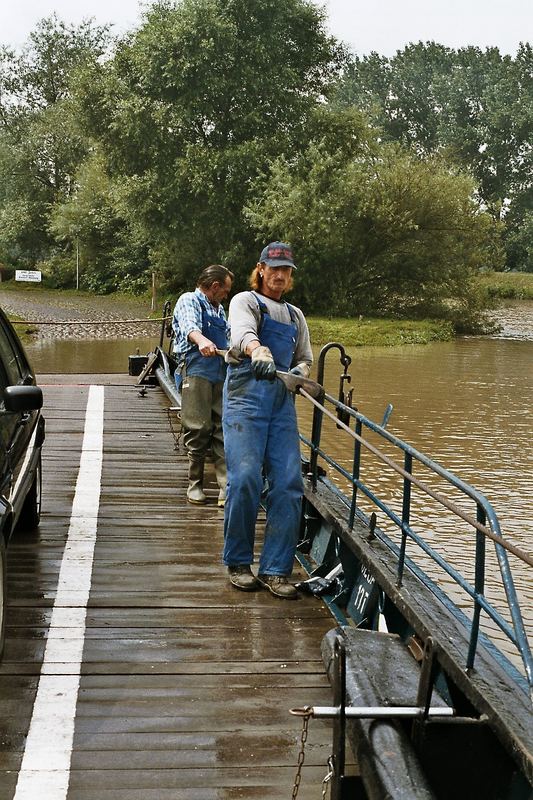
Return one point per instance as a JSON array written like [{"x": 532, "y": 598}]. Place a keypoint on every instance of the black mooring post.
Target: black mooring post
[
  {"x": 426, "y": 683},
  {"x": 339, "y": 723},
  {"x": 343, "y": 787}
]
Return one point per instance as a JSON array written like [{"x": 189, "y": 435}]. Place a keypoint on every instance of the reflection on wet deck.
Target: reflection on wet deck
[{"x": 185, "y": 683}]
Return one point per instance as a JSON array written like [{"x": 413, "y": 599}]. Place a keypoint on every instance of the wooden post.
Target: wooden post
[{"x": 153, "y": 291}]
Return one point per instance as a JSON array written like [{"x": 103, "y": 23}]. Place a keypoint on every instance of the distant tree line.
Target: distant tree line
[
  {"x": 471, "y": 107},
  {"x": 219, "y": 124}
]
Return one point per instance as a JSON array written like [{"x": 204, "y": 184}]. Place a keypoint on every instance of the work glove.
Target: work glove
[
  {"x": 263, "y": 365},
  {"x": 302, "y": 370}
]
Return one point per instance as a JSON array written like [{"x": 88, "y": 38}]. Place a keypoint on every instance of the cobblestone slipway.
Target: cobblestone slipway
[{"x": 98, "y": 311}]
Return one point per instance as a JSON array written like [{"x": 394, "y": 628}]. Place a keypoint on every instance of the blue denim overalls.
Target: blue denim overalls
[
  {"x": 260, "y": 428},
  {"x": 213, "y": 368}
]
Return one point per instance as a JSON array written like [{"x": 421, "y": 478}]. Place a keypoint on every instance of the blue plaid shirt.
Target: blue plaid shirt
[{"x": 188, "y": 317}]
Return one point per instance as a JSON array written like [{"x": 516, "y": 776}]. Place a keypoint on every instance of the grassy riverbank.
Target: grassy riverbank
[
  {"x": 508, "y": 285},
  {"x": 356, "y": 332},
  {"x": 378, "y": 332},
  {"x": 390, "y": 332}
]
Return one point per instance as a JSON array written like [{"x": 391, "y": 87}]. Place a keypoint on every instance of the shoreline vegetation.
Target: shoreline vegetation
[
  {"x": 375, "y": 332},
  {"x": 358, "y": 331},
  {"x": 507, "y": 285},
  {"x": 393, "y": 210}
]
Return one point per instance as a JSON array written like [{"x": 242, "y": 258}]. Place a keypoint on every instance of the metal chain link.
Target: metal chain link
[
  {"x": 306, "y": 714},
  {"x": 176, "y": 435},
  {"x": 301, "y": 755},
  {"x": 327, "y": 779}
]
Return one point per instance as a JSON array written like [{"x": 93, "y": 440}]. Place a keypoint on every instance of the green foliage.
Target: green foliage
[
  {"x": 519, "y": 241},
  {"x": 209, "y": 131},
  {"x": 93, "y": 229},
  {"x": 378, "y": 230},
  {"x": 474, "y": 107},
  {"x": 507, "y": 285},
  {"x": 40, "y": 76},
  {"x": 41, "y": 144},
  {"x": 194, "y": 105}
]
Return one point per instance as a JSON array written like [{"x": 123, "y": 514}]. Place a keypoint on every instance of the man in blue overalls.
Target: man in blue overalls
[
  {"x": 260, "y": 427},
  {"x": 200, "y": 328}
]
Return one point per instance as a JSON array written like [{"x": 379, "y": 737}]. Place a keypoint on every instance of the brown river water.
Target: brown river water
[{"x": 467, "y": 404}]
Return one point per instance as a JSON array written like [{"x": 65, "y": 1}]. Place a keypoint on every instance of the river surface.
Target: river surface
[{"x": 467, "y": 404}]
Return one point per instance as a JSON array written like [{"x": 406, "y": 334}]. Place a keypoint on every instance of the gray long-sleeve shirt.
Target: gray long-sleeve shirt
[{"x": 245, "y": 319}]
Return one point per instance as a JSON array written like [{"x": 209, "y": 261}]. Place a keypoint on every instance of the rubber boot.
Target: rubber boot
[
  {"x": 220, "y": 472},
  {"x": 195, "y": 491}
]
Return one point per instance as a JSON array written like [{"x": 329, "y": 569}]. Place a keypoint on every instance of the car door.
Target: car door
[{"x": 16, "y": 428}]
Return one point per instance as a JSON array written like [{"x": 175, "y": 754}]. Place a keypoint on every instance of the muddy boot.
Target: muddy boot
[
  {"x": 220, "y": 472},
  {"x": 195, "y": 491}
]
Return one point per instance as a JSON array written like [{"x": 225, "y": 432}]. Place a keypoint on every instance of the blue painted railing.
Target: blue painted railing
[{"x": 485, "y": 523}]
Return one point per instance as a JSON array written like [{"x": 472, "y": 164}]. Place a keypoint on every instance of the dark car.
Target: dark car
[{"x": 21, "y": 438}]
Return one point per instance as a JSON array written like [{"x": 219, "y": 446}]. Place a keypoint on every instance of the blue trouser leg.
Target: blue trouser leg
[
  {"x": 245, "y": 423},
  {"x": 284, "y": 499},
  {"x": 260, "y": 427}
]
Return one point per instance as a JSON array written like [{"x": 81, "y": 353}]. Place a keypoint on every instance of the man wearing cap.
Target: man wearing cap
[{"x": 260, "y": 427}]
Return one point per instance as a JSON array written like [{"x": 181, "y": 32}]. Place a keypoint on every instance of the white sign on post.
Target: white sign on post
[{"x": 28, "y": 275}]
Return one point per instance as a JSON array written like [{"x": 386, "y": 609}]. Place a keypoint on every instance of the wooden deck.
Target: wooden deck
[{"x": 185, "y": 683}]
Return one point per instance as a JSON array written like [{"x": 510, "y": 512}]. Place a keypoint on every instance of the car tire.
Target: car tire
[
  {"x": 30, "y": 515},
  {"x": 3, "y": 593}
]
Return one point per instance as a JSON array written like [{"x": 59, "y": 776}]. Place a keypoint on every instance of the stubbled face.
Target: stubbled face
[
  {"x": 218, "y": 292},
  {"x": 275, "y": 280}
]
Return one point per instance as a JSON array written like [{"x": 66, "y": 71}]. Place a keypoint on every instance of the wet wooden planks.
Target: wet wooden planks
[{"x": 185, "y": 683}]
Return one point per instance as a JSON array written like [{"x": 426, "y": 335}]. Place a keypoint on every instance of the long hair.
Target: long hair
[{"x": 256, "y": 281}]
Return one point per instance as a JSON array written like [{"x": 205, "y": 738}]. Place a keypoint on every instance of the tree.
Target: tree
[
  {"x": 472, "y": 107},
  {"x": 41, "y": 145},
  {"x": 379, "y": 230},
  {"x": 400, "y": 94},
  {"x": 194, "y": 105},
  {"x": 92, "y": 221}
]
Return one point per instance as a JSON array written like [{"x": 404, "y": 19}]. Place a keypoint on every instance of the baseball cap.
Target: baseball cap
[{"x": 277, "y": 254}]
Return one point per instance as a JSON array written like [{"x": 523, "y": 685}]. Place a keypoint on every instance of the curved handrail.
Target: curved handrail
[{"x": 486, "y": 523}]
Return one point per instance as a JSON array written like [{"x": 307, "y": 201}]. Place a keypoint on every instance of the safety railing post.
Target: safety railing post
[
  {"x": 356, "y": 471},
  {"x": 406, "y": 512},
  {"x": 479, "y": 586},
  {"x": 315, "y": 444}
]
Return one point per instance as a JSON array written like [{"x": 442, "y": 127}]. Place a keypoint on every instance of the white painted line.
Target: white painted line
[{"x": 45, "y": 768}]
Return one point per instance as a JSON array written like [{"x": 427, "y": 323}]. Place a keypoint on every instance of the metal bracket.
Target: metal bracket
[
  {"x": 386, "y": 415},
  {"x": 339, "y": 713}
]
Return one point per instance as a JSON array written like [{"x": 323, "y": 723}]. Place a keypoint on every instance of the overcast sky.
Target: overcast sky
[{"x": 381, "y": 25}]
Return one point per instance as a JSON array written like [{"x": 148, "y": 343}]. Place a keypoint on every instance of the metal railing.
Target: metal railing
[{"x": 485, "y": 524}]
